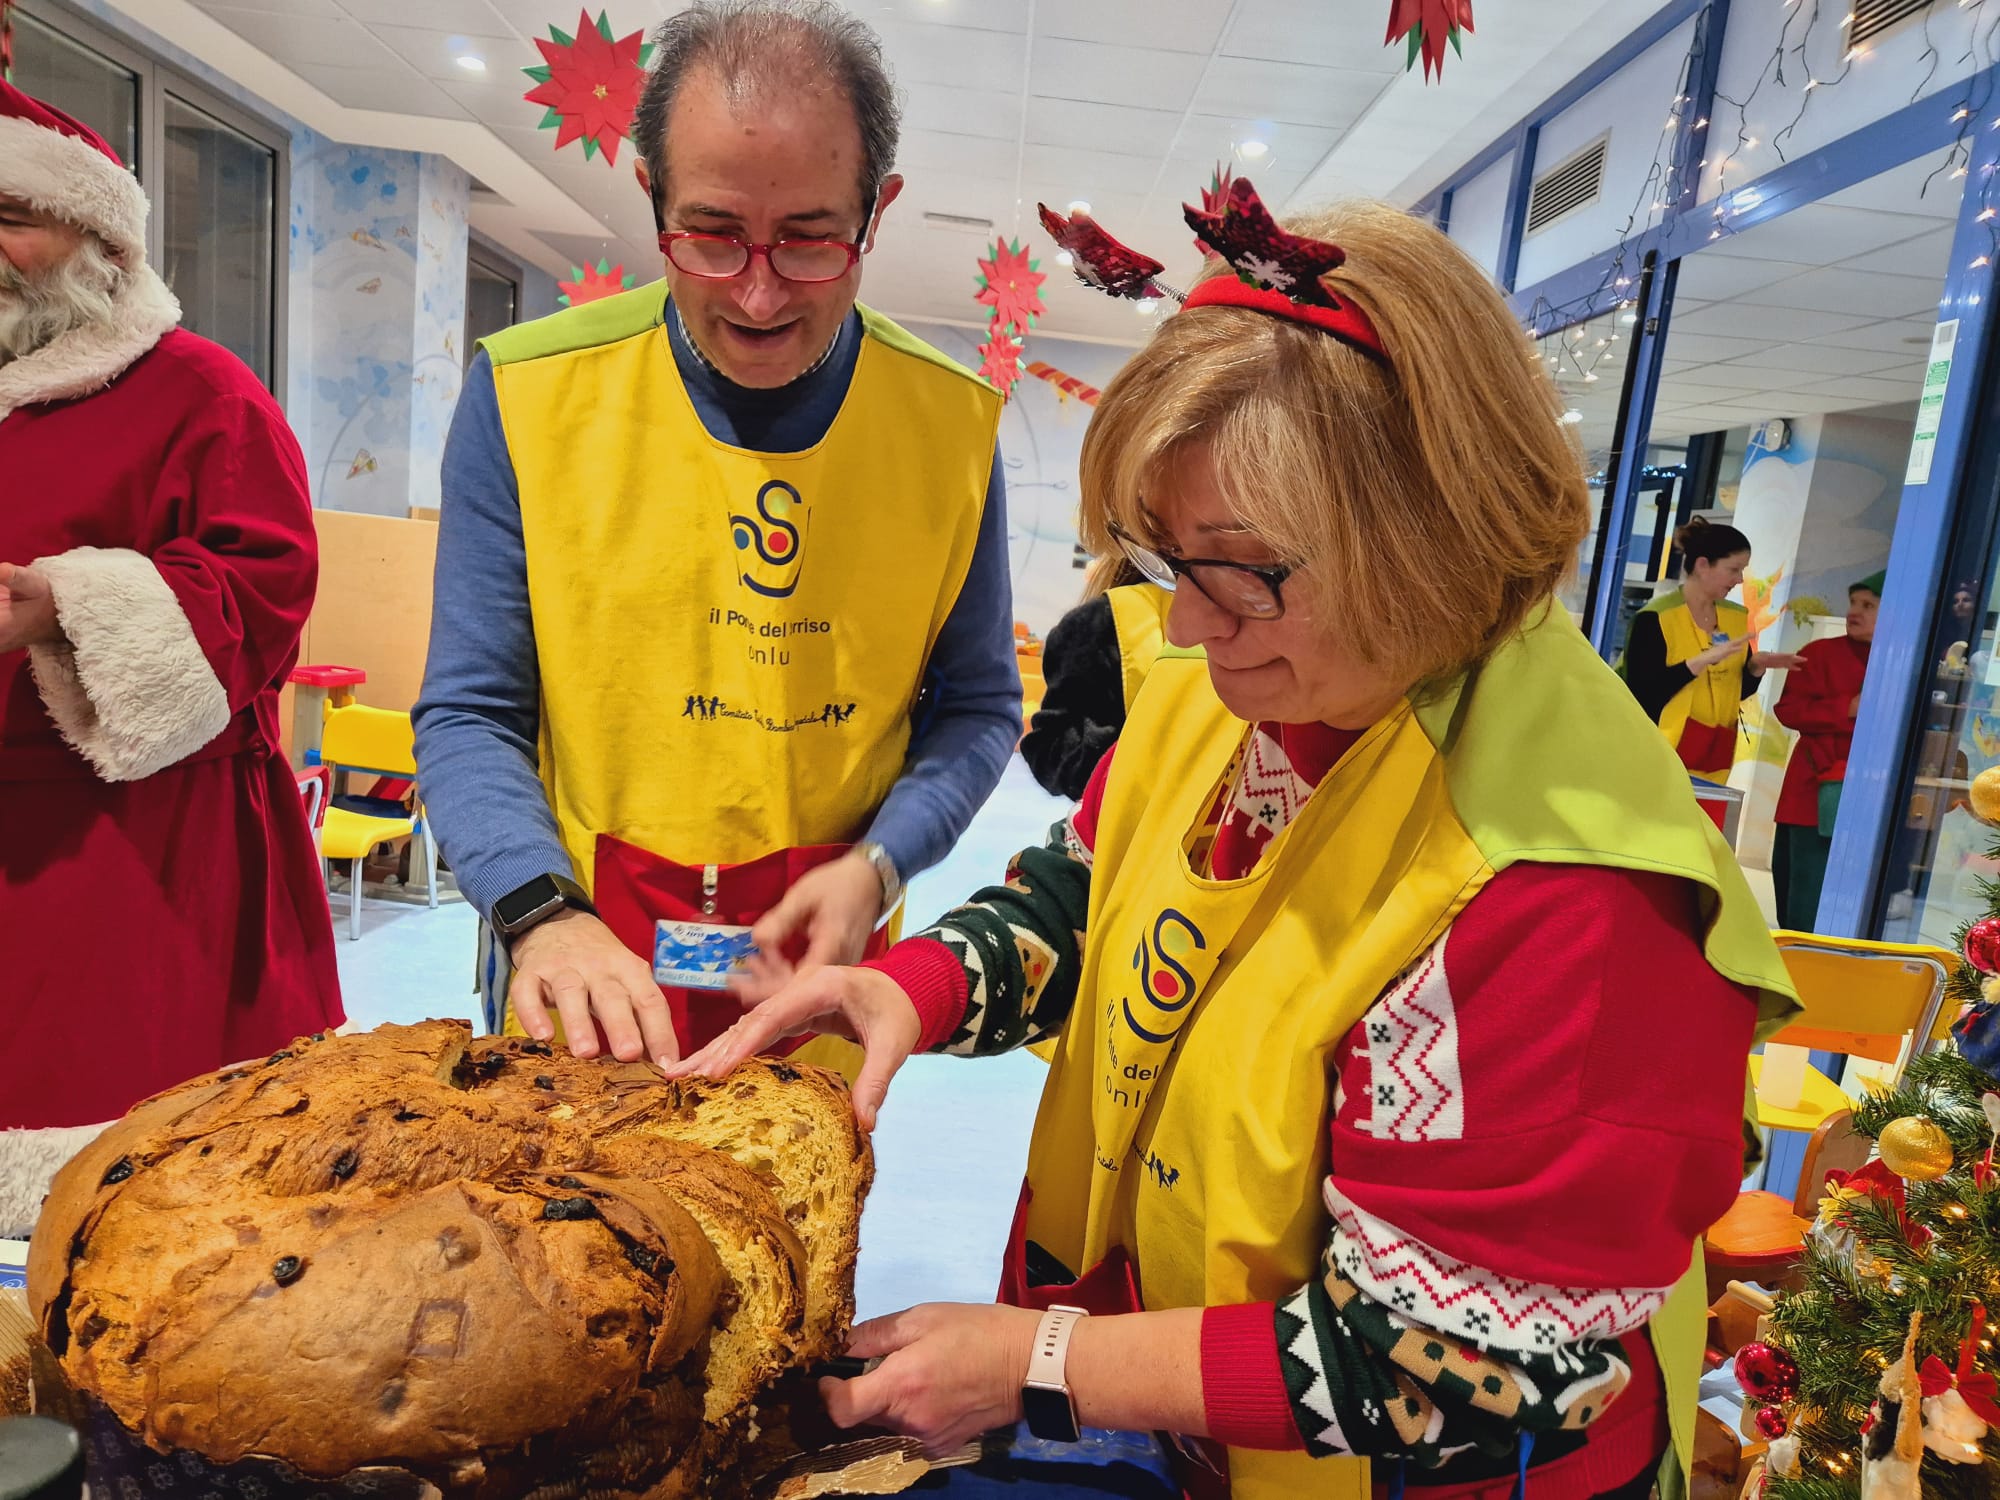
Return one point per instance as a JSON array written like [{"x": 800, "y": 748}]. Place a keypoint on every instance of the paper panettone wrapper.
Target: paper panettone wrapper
[{"x": 16, "y": 1335}]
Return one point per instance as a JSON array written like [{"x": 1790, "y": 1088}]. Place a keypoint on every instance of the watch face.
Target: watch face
[
  {"x": 523, "y": 902},
  {"x": 1049, "y": 1413}
]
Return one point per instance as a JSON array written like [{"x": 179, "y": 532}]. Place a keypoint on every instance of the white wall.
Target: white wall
[
  {"x": 1479, "y": 211},
  {"x": 1633, "y": 107}
]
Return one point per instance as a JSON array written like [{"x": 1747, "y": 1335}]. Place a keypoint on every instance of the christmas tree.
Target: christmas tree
[{"x": 1875, "y": 1379}]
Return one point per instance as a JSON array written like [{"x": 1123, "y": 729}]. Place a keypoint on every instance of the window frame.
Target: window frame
[
  {"x": 157, "y": 78},
  {"x": 502, "y": 266}
]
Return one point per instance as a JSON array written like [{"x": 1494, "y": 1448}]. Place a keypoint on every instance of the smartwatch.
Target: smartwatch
[
  {"x": 537, "y": 901},
  {"x": 885, "y": 870},
  {"x": 1046, "y": 1402}
]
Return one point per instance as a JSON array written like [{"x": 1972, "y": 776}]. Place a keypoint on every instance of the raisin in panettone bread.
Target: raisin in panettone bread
[{"x": 484, "y": 1263}]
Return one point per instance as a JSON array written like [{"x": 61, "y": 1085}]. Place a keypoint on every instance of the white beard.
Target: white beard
[{"x": 80, "y": 292}]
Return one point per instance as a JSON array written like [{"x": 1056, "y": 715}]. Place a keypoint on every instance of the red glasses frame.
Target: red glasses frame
[{"x": 672, "y": 237}]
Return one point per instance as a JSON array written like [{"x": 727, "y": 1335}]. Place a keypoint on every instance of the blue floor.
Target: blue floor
[{"x": 953, "y": 1136}]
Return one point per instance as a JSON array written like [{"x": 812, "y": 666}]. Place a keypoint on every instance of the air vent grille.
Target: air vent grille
[
  {"x": 1873, "y": 17},
  {"x": 1566, "y": 188}
]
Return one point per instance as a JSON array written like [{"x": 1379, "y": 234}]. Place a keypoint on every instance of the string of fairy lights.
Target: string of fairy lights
[{"x": 1671, "y": 186}]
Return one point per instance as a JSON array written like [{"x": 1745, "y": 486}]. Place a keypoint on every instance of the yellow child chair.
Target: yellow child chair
[
  {"x": 380, "y": 742},
  {"x": 1881, "y": 1001}
]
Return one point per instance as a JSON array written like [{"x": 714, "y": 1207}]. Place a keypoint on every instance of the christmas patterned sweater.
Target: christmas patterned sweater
[{"x": 1518, "y": 1167}]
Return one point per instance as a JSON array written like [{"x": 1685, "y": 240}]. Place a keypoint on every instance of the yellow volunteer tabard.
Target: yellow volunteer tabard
[{"x": 1185, "y": 1117}]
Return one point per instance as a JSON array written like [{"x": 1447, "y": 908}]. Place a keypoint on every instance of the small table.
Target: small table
[{"x": 314, "y": 689}]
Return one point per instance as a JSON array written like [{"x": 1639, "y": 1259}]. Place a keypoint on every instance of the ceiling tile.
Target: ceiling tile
[
  {"x": 1916, "y": 187},
  {"x": 1752, "y": 320},
  {"x": 1713, "y": 276},
  {"x": 967, "y": 155},
  {"x": 1141, "y": 77},
  {"x": 1074, "y": 123},
  {"x": 338, "y": 41},
  {"x": 1931, "y": 250},
  {"x": 1873, "y": 294},
  {"x": 964, "y": 111},
  {"x": 987, "y": 15},
  {"x": 1332, "y": 33},
  {"x": 435, "y": 54},
  {"x": 1819, "y": 234},
  {"x": 1287, "y": 92},
  {"x": 1700, "y": 348},
  {"x": 1183, "y": 26},
  {"x": 278, "y": 7},
  {"x": 1057, "y": 174},
  {"x": 1821, "y": 357},
  {"x": 392, "y": 88},
  {"x": 469, "y": 17},
  {"x": 1909, "y": 338},
  {"x": 953, "y": 54},
  {"x": 1873, "y": 390}
]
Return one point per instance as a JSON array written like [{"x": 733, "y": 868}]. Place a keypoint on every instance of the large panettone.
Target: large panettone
[{"x": 485, "y": 1263}]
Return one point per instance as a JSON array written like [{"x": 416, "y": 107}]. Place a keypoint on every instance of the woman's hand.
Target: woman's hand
[
  {"x": 1718, "y": 652},
  {"x": 1776, "y": 661},
  {"x": 864, "y": 1005},
  {"x": 949, "y": 1372}
]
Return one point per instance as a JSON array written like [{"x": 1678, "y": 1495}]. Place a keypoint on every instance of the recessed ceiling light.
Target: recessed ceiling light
[
  {"x": 1145, "y": 307},
  {"x": 1252, "y": 150},
  {"x": 1064, "y": 258},
  {"x": 1079, "y": 206},
  {"x": 470, "y": 63}
]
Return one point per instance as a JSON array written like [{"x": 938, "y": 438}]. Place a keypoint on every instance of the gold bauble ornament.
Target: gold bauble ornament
[
  {"x": 1915, "y": 1148},
  {"x": 1989, "y": 990},
  {"x": 1985, "y": 796}
]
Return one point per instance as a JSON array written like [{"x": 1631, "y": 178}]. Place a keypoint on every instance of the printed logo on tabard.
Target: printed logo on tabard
[
  {"x": 1164, "y": 981},
  {"x": 771, "y": 543}
]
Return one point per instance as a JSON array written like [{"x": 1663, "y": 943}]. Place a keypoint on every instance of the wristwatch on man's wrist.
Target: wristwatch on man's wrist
[
  {"x": 1046, "y": 1402},
  {"x": 527, "y": 906},
  {"x": 885, "y": 870}
]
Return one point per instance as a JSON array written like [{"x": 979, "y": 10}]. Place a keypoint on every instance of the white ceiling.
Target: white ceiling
[
  {"x": 1127, "y": 104},
  {"x": 1829, "y": 308}
]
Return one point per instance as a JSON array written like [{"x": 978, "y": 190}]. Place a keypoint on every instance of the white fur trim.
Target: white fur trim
[
  {"x": 29, "y": 1160},
  {"x": 88, "y": 359},
  {"x": 132, "y": 690},
  {"x": 73, "y": 180}
]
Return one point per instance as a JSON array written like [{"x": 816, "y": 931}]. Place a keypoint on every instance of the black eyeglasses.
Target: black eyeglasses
[{"x": 1249, "y": 591}]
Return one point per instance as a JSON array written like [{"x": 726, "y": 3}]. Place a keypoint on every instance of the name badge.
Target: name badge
[{"x": 698, "y": 955}]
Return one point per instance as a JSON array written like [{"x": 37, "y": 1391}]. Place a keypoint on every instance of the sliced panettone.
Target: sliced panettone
[{"x": 762, "y": 1317}]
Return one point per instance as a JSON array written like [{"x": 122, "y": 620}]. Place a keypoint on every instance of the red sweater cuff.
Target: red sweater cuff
[
  {"x": 931, "y": 975},
  {"x": 1242, "y": 1382}
]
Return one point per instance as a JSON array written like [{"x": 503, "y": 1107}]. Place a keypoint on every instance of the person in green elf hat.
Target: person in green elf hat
[{"x": 1820, "y": 702}]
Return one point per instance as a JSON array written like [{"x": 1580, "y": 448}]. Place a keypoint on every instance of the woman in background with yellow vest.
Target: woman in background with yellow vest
[
  {"x": 1094, "y": 662},
  {"x": 1689, "y": 659},
  {"x": 1403, "y": 990}
]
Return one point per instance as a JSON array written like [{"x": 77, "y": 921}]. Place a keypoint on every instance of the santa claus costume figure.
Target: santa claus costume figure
[{"x": 160, "y": 911}]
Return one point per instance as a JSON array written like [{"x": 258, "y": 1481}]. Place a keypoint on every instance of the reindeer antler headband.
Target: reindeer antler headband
[{"x": 1277, "y": 272}]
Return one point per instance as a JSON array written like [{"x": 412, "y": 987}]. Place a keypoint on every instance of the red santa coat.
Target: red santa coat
[
  {"x": 1816, "y": 702},
  {"x": 160, "y": 907}
]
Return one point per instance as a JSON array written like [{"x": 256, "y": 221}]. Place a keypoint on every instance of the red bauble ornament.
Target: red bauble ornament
[
  {"x": 1772, "y": 1422},
  {"x": 1982, "y": 945},
  {"x": 1766, "y": 1374}
]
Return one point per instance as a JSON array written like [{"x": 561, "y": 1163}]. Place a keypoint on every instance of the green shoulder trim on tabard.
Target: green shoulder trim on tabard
[
  {"x": 609, "y": 320},
  {"x": 1617, "y": 793},
  {"x": 888, "y": 332}
]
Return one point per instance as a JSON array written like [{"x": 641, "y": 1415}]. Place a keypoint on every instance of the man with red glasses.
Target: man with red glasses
[{"x": 723, "y": 642}]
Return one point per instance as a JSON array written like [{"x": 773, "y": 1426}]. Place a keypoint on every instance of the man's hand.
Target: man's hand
[
  {"x": 27, "y": 609},
  {"x": 834, "y": 908},
  {"x": 574, "y": 962}
]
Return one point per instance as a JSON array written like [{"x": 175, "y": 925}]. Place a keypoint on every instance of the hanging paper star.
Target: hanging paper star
[
  {"x": 1100, "y": 261},
  {"x": 594, "y": 283},
  {"x": 591, "y": 84},
  {"x": 1263, "y": 253},
  {"x": 1000, "y": 360},
  {"x": 1009, "y": 283},
  {"x": 1429, "y": 24}
]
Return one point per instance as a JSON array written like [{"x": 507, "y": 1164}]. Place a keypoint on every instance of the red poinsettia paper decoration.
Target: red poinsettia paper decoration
[
  {"x": 1000, "y": 360},
  {"x": 591, "y": 84},
  {"x": 1009, "y": 283},
  {"x": 594, "y": 284},
  {"x": 1100, "y": 261},
  {"x": 1260, "y": 250},
  {"x": 1428, "y": 24}
]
